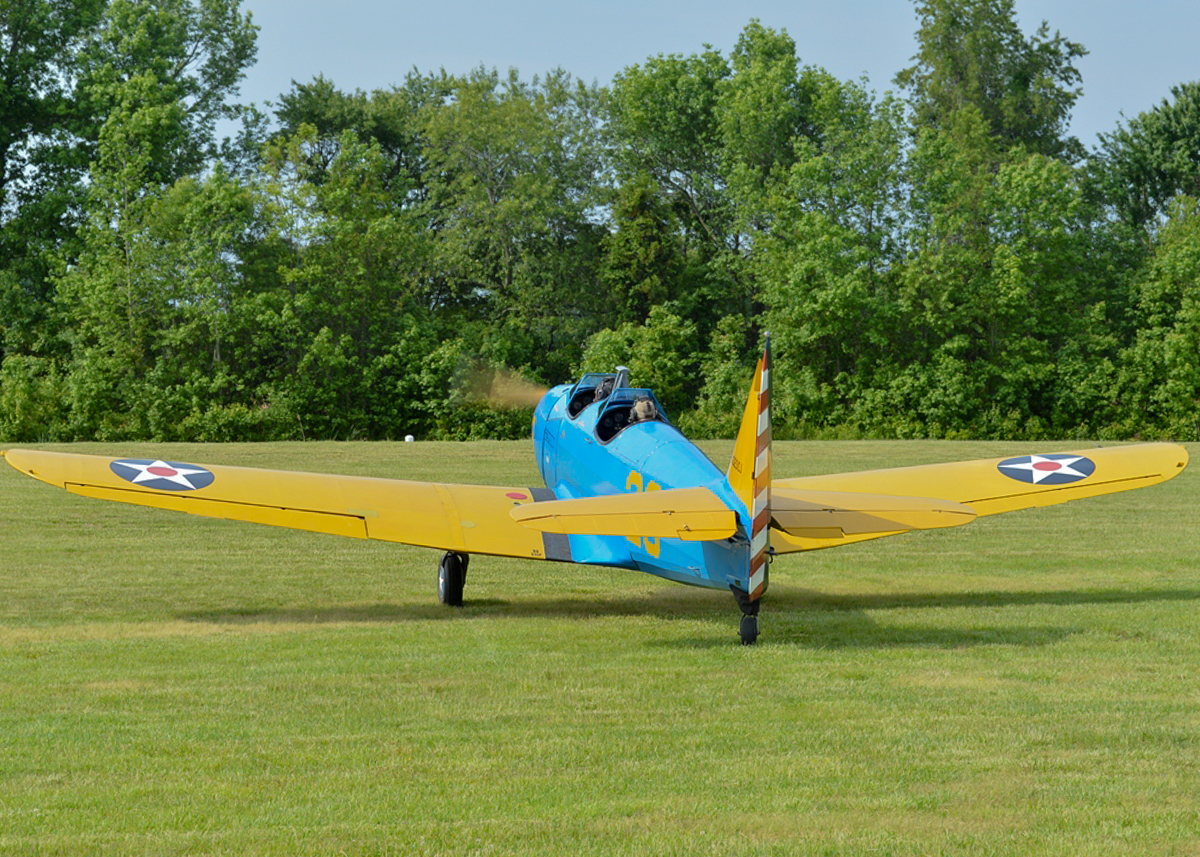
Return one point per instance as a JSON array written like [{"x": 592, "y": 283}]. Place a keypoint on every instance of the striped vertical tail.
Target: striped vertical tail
[{"x": 750, "y": 471}]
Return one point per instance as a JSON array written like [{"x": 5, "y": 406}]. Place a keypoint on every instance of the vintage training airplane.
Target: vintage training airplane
[{"x": 624, "y": 488}]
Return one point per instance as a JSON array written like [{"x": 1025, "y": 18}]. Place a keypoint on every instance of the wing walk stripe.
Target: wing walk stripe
[{"x": 557, "y": 546}]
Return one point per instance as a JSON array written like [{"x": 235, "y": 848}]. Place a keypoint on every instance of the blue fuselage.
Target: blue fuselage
[{"x": 589, "y": 448}]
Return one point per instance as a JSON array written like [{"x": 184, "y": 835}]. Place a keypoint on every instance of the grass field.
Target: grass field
[{"x": 1027, "y": 685}]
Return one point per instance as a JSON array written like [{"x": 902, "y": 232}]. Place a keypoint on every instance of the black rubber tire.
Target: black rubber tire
[
  {"x": 452, "y": 576},
  {"x": 749, "y": 630}
]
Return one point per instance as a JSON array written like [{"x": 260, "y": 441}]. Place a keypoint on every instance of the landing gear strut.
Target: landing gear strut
[
  {"x": 452, "y": 574},
  {"x": 749, "y": 626}
]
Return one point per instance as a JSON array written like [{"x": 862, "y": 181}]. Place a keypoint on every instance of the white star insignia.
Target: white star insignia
[
  {"x": 161, "y": 470},
  {"x": 1040, "y": 467}
]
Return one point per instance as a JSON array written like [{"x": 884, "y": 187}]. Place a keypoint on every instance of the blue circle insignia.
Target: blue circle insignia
[
  {"x": 1052, "y": 469},
  {"x": 162, "y": 475}
]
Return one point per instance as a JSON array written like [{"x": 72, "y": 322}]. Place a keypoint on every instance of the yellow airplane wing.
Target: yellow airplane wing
[
  {"x": 463, "y": 518},
  {"x": 691, "y": 514},
  {"x": 991, "y": 486}
]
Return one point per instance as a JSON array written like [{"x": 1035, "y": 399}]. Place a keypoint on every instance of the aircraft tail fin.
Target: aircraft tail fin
[{"x": 750, "y": 471}]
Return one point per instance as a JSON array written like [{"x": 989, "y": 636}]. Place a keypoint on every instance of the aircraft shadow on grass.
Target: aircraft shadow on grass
[{"x": 805, "y": 619}]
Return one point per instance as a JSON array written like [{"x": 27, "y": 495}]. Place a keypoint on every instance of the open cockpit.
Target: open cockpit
[
  {"x": 592, "y": 387},
  {"x": 618, "y": 405},
  {"x": 625, "y": 407}
]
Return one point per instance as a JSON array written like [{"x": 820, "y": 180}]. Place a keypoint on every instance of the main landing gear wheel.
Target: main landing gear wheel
[
  {"x": 452, "y": 575},
  {"x": 749, "y": 626}
]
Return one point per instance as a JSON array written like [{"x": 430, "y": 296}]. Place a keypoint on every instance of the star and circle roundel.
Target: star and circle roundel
[
  {"x": 162, "y": 475},
  {"x": 1053, "y": 469}
]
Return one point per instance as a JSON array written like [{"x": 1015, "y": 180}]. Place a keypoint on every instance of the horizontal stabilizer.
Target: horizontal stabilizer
[
  {"x": 831, "y": 514},
  {"x": 691, "y": 514}
]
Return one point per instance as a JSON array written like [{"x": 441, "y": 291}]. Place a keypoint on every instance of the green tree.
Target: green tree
[
  {"x": 148, "y": 311},
  {"x": 726, "y": 368},
  {"x": 152, "y": 307},
  {"x": 511, "y": 173},
  {"x": 351, "y": 314},
  {"x": 663, "y": 118},
  {"x": 40, "y": 42},
  {"x": 390, "y": 118},
  {"x": 195, "y": 52},
  {"x": 764, "y": 111},
  {"x": 43, "y": 158},
  {"x": 816, "y": 169},
  {"x": 360, "y": 251},
  {"x": 643, "y": 262},
  {"x": 1161, "y": 371},
  {"x": 682, "y": 121},
  {"x": 105, "y": 105},
  {"x": 661, "y": 355},
  {"x": 33, "y": 400},
  {"x": 149, "y": 276},
  {"x": 1007, "y": 272},
  {"x": 973, "y": 53},
  {"x": 1144, "y": 164}
]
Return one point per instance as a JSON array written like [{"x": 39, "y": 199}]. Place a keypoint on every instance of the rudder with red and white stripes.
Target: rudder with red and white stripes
[{"x": 750, "y": 471}]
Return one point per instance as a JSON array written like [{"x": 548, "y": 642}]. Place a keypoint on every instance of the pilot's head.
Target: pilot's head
[
  {"x": 603, "y": 389},
  {"x": 643, "y": 409}
]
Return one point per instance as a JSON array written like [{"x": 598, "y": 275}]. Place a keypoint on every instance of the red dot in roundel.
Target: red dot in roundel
[
  {"x": 517, "y": 495},
  {"x": 162, "y": 471},
  {"x": 1047, "y": 465}
]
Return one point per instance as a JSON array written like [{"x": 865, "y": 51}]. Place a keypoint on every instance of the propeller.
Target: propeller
[
  {"x": 509, "y": 388},
  {"x": 504, "y": 387}
]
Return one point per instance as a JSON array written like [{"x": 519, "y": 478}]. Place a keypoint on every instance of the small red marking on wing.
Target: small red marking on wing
[
  {"x": 1047, "y": 465},
  {"x": 162, "y": 471},
  {"x": 517, "y": 495}
]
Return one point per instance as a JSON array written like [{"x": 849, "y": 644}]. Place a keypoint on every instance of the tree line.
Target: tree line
[{"x": 945, "y": 261}]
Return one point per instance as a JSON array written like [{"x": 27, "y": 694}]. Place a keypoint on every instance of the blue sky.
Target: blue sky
[{"x": 1138, "y": 50}]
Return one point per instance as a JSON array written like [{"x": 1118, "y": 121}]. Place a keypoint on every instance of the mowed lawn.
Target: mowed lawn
[{"x": 1028, "y": 684}]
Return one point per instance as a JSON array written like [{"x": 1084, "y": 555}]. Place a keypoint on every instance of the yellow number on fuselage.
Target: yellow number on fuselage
[{"x": 634, "y": 482}]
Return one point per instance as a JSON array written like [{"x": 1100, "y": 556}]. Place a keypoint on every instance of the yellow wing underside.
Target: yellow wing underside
[
  {"x": 983, "y": 487},
  {"x": 464, "y": 518}
]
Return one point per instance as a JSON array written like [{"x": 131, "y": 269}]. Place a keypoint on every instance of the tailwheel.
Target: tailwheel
[
  {"x": 749, "y": 626},
  {"x": 452, "y": 575},
  {"x": 749, "y": 630}
]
